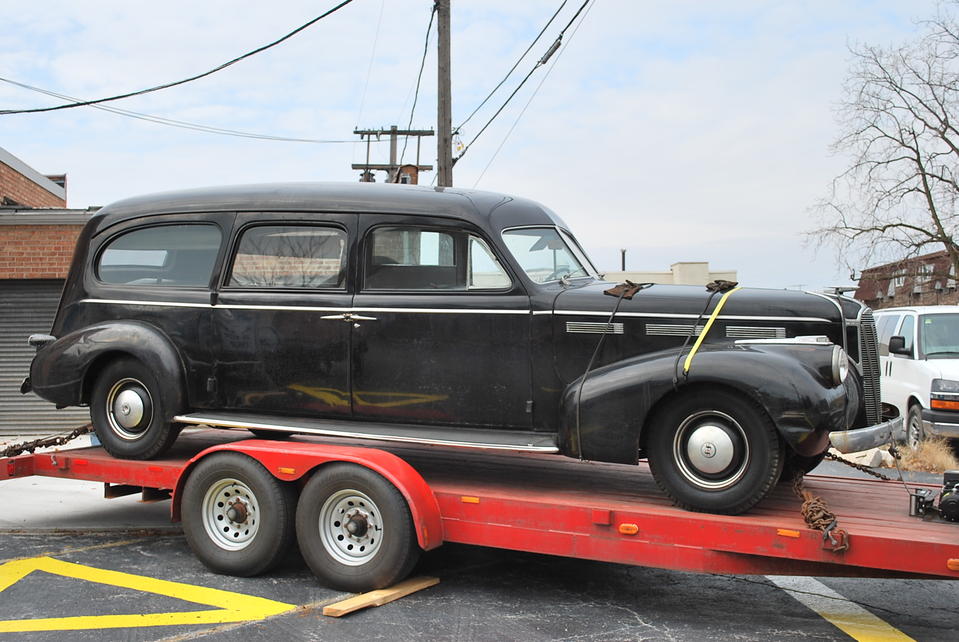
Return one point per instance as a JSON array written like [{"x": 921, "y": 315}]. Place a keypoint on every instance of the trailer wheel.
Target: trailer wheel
[
  {"x": 237, "y": 517},
  {"x": 128, "y": 412},
  {"x": 354, "y": 529},
  {"x": 714, "y": 452}
]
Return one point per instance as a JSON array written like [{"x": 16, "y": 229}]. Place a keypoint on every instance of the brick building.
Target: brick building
[
  {"x": 919, "y": 280},
  {"x": 37, "y": 237}
]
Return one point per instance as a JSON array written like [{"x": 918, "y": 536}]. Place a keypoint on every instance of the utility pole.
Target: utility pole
[
  {"x": 444, "y": 108},
  {"x": 392, "y": 169}
]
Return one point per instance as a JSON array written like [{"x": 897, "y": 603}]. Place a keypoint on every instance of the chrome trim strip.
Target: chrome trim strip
[
  {"x": 305, "y": 308},
  {"x": 815, "y": 339},
  {"x": 667, "y": 315},
  {"x": 226, "y": 423},
  {"x": 588, "y": 327}
]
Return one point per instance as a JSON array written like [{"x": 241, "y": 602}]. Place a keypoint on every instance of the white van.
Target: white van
[{"x": 919, "y": 361}]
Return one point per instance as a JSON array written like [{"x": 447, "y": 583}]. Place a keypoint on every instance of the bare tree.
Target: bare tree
[{"x": 900, "y": 127}]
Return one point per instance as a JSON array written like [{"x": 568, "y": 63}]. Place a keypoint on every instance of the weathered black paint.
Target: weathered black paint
[{"x": 496, "y": 359}]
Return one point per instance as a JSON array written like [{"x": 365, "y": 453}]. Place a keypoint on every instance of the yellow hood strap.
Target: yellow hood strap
[{"x": 702, "y": 335}]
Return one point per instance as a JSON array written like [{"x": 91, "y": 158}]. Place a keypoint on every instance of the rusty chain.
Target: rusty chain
[
  {"x": 44, "y": 442},
  {"x": 817, "y": 516},
  {"x": 861, "y": 467}
]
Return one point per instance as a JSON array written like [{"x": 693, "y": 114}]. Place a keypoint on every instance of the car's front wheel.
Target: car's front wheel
[
  {"x": 128, "y": 412},
  {"x": 915, "y": 432},
  {"x": 714, "y": 452}
]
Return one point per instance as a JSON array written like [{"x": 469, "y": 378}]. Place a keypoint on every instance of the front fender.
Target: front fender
[
  {"x": 790, "y": 381},
  {"x": 59, "y": 369}
]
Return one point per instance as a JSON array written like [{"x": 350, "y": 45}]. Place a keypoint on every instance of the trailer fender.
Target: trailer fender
[
  {"x": 613, "y": 405},
  {"x": 292, "y": 461}
]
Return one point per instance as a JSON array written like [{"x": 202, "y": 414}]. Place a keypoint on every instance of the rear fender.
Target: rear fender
[
  {"x": 789, "y": 381},
  {"x": 62, "y": 371},
  {"x": 295, "y": 461}
]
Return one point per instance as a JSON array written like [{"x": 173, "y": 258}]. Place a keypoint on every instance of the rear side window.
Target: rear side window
[
  {"x": 290, "y": 256},
  {"x": 166, "y": 255}
]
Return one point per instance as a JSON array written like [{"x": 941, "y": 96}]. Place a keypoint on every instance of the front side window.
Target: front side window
[
  {"x": 167, "y": 255},
  {"x": 885, "y": 326},
  {"x": 545, "y": 256},
  {"x": 290, "y": 256},
  {"x": 908, "y": 330},
  {"x": 411, "y": 258}
]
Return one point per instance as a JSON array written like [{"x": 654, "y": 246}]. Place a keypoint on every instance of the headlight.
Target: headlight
[
  {"x": 944, "y": 394},
  {"x": 945, "y": 385},
  {"x": 840, "y": 365}
]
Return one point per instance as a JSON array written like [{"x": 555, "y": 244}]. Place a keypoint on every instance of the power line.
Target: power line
[
  {"x": 159, "y": 120},
  {"x": 542, "y": 61},
  {"x": 513, "y": 68},
  {"x": 532, "y": 96},
  {"x": 419, "y": 77},
  {"x": 184, "y": 80}
]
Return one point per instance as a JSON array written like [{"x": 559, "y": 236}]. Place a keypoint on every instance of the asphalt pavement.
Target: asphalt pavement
[{"x": 118, "y": 568}]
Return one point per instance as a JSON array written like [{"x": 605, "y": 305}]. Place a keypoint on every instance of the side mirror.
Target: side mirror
[{"x": 897, "y": 345}]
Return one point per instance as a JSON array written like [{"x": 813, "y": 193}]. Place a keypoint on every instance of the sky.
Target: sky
[{"x": 679, "y": 130}]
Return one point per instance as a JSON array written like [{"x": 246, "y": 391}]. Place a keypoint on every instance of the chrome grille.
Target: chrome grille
[{"x": 869, "y": 351}]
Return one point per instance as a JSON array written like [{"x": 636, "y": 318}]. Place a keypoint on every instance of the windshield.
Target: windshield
[
  {"x": 939, "y": 334},
  {"x": 545, "y": 255}
]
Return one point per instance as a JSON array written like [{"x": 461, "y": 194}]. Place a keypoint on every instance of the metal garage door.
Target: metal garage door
[{"x": 28, "y": 307}]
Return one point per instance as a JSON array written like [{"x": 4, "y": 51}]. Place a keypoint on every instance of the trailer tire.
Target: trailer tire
[
  {"x": 128, "y": 411},
  {"x": 354, "y": 529},
  {"x": 714, "y": 451},
  {"x": 237, "y": 517}
]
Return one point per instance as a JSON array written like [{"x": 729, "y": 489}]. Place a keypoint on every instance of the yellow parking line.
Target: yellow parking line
[
  {"x": 849, "y": 617},
  {"x": 231, "y": 607}
]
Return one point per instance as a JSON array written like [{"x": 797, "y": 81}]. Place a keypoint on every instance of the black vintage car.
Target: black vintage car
[{"x": 445, "y": 316}]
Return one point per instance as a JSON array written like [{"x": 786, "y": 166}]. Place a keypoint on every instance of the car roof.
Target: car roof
[
  {"x": 485, "y": 209},
  {"x": 922, "y": 309}
]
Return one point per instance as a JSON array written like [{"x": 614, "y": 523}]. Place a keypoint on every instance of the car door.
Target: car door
[
  {"x": 441, "y": 334},
  {"x": 905, "y": 374},
  {"x": 283, "y": 347}
]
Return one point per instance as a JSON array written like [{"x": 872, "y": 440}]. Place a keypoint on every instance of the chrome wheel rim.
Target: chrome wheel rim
[
  {"x": 710, "y": 450},
  {"x": 231, "y": 514},
  {"x": 129, "y": 408},
  {"x": 351, "y": 527}
]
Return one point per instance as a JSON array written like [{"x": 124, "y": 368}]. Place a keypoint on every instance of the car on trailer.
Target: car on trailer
[{"x": 445, "y": 316}]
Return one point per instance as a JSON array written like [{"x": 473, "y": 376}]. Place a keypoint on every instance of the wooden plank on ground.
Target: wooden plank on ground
[{"x": 379, "y": 597}]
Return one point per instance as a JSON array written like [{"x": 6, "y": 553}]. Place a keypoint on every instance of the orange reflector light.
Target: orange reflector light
[
  {"x": 785, "y": 532},
  {"x": 953, "y": 564},
  {"x": 469, "y": 500},
  {"x": 940, "y": 404},
  {"x": 287, "y": 471},
  {"x": 628, "y": 529}
]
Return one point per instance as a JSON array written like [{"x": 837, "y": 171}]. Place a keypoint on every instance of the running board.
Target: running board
[{"x": 406, "y": 433}]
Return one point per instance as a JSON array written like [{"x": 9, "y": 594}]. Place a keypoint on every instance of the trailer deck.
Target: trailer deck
[{"x": 607, "y": 512}]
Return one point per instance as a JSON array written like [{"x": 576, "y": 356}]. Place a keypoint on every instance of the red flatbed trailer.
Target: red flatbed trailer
[{"x": 559, "y": 506}]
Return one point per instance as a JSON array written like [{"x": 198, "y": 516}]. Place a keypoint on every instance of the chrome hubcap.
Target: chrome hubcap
[
  {"x": 129, "y": 408},
  {"x": 710, "y": 450},
  {"x": 351, "y": 528},
  {"x": 231, "y": 514}
]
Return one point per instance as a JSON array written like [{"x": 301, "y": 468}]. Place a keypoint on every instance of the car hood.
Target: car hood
[
  {"x": 943, "y": 368},
  {"x": 682, "y": 300}
]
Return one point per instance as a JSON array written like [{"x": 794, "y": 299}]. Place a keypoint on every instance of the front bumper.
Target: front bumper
[
  {"x": 943, "y": 424},
  {"x": 853, "y": 441}
]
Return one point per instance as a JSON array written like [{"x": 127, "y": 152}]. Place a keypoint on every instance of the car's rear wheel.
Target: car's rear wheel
[
  {"x": 237, "y": 517},
  {"x": 915, "y": 432},
  {"x": 128, "y": 411},
  {"x": 714, "y": 452},
  {"x": 354, "y": 529}
]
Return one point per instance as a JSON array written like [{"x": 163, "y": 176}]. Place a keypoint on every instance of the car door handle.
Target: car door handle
[{"x": 347, "y": 316}]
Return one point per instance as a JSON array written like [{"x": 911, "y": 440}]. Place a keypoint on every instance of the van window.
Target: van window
[
  {"x": 939, "y": 335},
  {"x": 290, "y": 256},
  {"x": 168, "y": 255},
  {"x": 908, "y": 330},
  {"x": 886, "y": 326}
]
